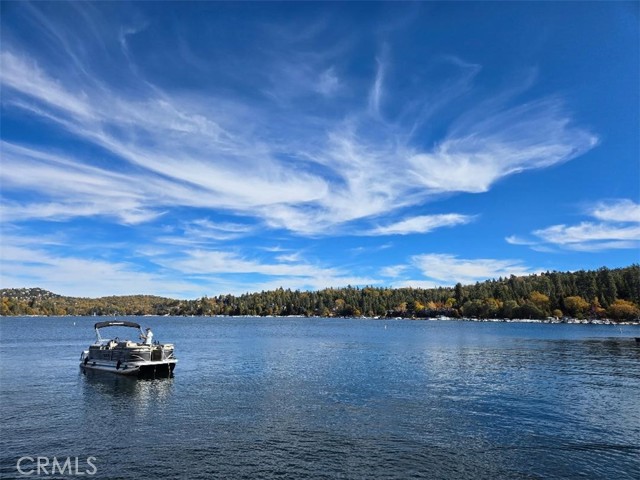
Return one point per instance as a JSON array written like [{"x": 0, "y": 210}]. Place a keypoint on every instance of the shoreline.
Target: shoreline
[{"x": 566, "y": 321}]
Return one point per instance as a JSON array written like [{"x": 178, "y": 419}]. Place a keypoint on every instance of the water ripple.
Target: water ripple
[{"x": 317, "y": 398}]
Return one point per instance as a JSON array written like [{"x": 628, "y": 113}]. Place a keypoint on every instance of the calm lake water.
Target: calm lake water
[{"x": 330, "y": 398}]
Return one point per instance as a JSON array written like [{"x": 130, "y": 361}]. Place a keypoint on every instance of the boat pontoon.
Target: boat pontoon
[{"x": 127, "y": 357}]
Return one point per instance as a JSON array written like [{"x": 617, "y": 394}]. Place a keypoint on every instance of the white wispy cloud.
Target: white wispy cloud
[
  {"x": 310, "y": 168},
  {"x": 516, "y": 240},
  {"x": 287, "y": 271},
  {"x": 26, "y": 266},
  {"x": 239, "y": 162},
  {"x": 73, "y": 189},
  {"x": 431, "y": 270},
  {"x": 377, "y": 89},
  {"x": 205, "y": 230},
  {"x": 296, "y": 283},
  {"x": 289, "y": 258},
  {"x": 590, "y": 236},
  {"x": 450, "y": 269},
  {"x": 393, "y": 271},
  {"x": 509, "y": 141},
  {"x": 23, "y": 74},
  {"x": 328, "y": 83},
  {"x": 202, "y": 157},
  {"x": 422, "y": 224},
  {"x": 619, "y": 228},
  {"x": 424, "y": 284},
  {"x": 216, "y": 261},
  {"x": 623, "y": 210},
  {"x": 189, "y": 273}
]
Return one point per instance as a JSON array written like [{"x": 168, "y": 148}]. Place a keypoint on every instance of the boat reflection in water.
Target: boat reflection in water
[
  {"x": 126, "y": 386},
  {"x": 144, "y": 359},
  {"x": 129, "y": 398}
]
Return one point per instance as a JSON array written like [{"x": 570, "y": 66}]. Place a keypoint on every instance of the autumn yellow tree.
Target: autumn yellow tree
[
  {"x": 576, "y": 306},
  {"x": 623, "y": 310},
  {"x": 541, "y": 301}
]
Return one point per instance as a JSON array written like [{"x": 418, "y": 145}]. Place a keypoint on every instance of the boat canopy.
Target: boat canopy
[{"x": 120, "y": 323}]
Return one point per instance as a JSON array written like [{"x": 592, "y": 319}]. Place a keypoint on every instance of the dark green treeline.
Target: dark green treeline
[{"x": 602, "y": 293}]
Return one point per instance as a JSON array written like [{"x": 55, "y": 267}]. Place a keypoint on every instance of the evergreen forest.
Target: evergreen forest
[{"x": 604, "y": 293}]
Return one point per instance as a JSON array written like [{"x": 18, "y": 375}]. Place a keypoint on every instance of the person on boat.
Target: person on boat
[{"x": 147, "y": 337}]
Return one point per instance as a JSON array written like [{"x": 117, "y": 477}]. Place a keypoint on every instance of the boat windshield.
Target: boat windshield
[{"x": 118, "y": 332}]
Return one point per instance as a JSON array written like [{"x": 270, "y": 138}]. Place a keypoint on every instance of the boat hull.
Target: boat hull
[{"x": 158, "y": 369}]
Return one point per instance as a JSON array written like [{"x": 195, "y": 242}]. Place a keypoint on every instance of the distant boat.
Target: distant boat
[{"x": 127, "y": 357}]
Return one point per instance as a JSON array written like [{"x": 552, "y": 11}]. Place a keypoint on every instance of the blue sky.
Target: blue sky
[{"x": 189, "y": 149}]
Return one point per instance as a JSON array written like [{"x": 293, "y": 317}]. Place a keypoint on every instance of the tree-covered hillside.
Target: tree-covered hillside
[{"x": 602, "y": 293}]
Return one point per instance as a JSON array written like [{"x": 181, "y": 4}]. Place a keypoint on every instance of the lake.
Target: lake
[{"x": 328, "y": 398}]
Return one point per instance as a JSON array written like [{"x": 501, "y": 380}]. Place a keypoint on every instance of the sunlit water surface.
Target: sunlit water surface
[{"x": 330, "y": 398}]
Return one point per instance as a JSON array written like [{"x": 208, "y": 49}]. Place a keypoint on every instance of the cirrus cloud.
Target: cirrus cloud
[
  {"x": 619, "y": 228},
  {"x": 422, "y": 224},
  {"x": 203, "y": 151},
  {"x": 451, "y": 269}
]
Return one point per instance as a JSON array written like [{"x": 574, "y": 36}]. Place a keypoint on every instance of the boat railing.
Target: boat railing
[{"x": 165, "y": 356}]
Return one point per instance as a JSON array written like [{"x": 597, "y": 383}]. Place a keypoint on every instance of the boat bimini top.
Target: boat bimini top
[{"x": 118, "y": 323}]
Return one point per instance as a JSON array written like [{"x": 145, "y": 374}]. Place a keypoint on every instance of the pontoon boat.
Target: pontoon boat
[{"x": 127, "y": 357}]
